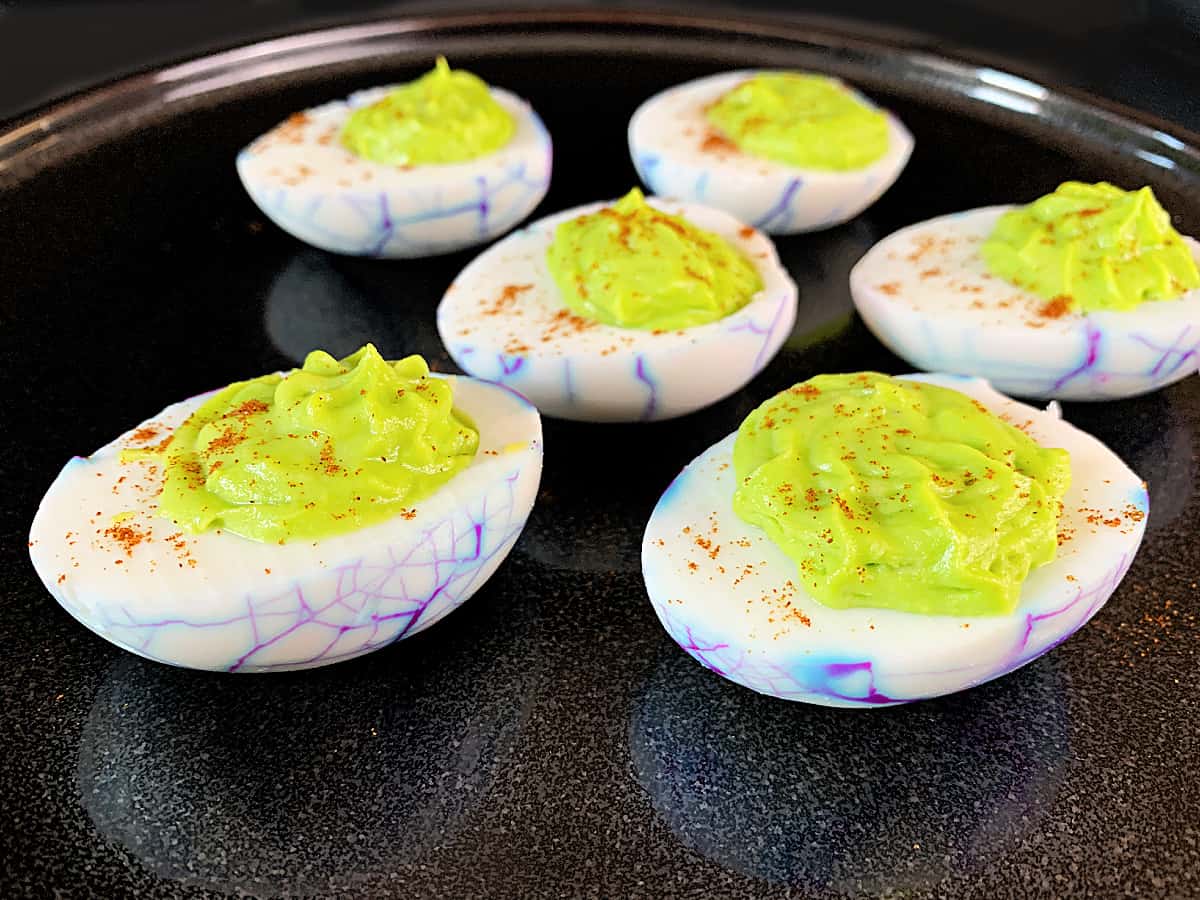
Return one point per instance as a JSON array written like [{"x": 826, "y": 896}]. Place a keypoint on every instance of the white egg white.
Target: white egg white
[
  {"x": 677, "y": 155},
  {"x": 503, "y": 319},
  {"x": 927, "y": 294},
  {"x": 314, "y": 188},
  {"x": 729, "y": 596},
  {"x": 219, "y": 601}
]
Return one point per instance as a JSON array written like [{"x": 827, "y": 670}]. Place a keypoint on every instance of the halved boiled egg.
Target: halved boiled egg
[
  {"x": 734, "y": 600},
  {"x": 784, "y": 151},
  {"x": 216, "y": 600},
  {"x": 927, "y": 293},
  {"x": 505, "y": 317},
  {"x": 430, "y": 174}
]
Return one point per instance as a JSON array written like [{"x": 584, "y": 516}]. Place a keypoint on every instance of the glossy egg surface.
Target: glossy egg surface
[
  {"x": 927, "y": 294},
  {"x": 503, "y": 319},
  {"x": 729, "y": 596},
  {"x": 678, "y": 154},
  {"x": 218, "y": 601},
  {"x": 310, "y": 185}
]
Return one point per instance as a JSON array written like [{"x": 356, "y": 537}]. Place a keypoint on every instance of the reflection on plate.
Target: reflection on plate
[
  {"x": 821, "y": 265},
  {"x": 318, "y": 301},
  {"x": 604, "y": 533},
  {"x": 812, "y": 797},
  {"x": 301, "y": 783}
]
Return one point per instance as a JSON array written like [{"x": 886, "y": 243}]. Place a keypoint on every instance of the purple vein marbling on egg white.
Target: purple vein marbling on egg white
[
  {"x": 779, "y": 216},
  {"x": 640, "y": 373},
  {"x": 366, "y": 224},
  {"x": 604, "y": 373},
  {"x": 939, "y": 307},
  {"x": 672, "y": 155},
  {"x": 377, "y": 600},
  {"x": 830, "y": 681},
  {"x": 322, "y": 194},
  {"x": 732, "y": 603},
  {"x": 827, "y": 681},
  {"x": 511, "y": 370},
  {"x": 1184, "y": 351},
  {"x": 1107, "y": 363},
  {"x": 767, "y": 334}
]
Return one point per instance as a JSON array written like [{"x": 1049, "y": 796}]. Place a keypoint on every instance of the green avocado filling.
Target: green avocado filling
[
  {"x": 325, "y": 449},
  {"x": 900, "y": 495},
  {"x": 634, "y": 266},
  {"x": 1092, "y": 247},
  {"x": 807, "y": 121},
  {"x": 445, "y": 116}
]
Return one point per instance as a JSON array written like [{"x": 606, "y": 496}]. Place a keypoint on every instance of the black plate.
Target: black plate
[{"x": 548, "y": 739}]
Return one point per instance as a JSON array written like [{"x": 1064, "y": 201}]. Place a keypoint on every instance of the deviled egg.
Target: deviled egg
[
  {"x": 422, "y": 168},
  {"x": 292, "y": 520},
  {"x": 638, "y": 310},
  {"x": 1088, "y": 293},
  {"x": 784, "y": 151},
  {"x": 864, "y": 540}
]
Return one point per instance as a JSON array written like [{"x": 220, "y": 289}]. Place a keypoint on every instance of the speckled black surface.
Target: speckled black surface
[{"x": 548, "y": 739}]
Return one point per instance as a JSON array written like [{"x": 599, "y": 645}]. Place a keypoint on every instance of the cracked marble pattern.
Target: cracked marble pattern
[
  {"x": 732, "y": 599},
  {"x": 503, "y": 320},
  {"x": 386, "y": 595},
  {"x": 926, "y": 293},
  {"x": 321, "y": 193},
  {"x": 220, "y": 602},
  {"x": 383, "y": 224},
  {"x": 1099, "y": 359},
  {"x": 671, "y": 148},
  {"x": 854, "y": 682},
  {"x": 644, "y": 386}
]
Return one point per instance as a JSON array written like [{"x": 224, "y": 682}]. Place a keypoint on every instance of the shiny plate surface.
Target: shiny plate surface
[{"x": 549, "y": 739}]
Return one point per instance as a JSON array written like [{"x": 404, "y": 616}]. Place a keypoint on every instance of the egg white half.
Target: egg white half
[
  {"x": 503, "y": 319},
  {"x": 317, "y": 190},
  {"x": 669, "y": 142},
  {"x": 727, "y": 594},
  {"x": 219, "y": 601},
  {"x": 927, "y": 294}
]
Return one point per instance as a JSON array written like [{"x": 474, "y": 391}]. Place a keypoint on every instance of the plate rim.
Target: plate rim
[{"x": 43, "y": 137}]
